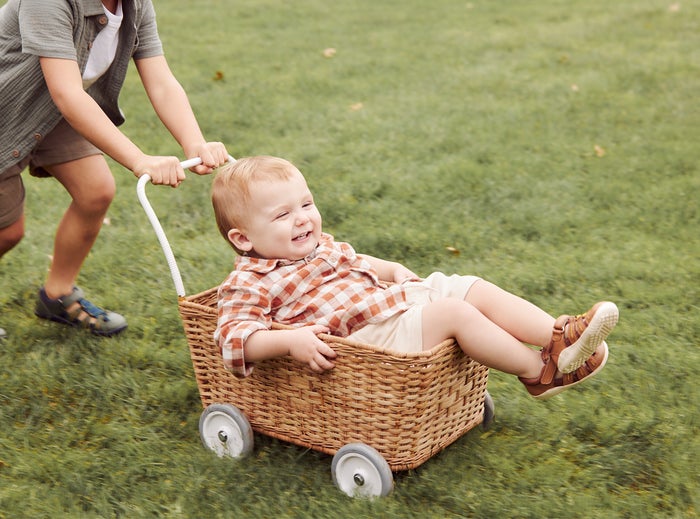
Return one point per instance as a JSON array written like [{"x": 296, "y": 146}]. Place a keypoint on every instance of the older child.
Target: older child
[
  {"x": 290, "y": 272},
  {"x": 62, "y": 65}
]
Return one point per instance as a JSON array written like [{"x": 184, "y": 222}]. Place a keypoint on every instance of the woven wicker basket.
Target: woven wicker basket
[{"x": 407, "y": 406}]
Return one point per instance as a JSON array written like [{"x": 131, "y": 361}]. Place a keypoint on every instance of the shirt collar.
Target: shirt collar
[
  {"x": 94, "y": 7},
  {"x": 263, "y": 265}
]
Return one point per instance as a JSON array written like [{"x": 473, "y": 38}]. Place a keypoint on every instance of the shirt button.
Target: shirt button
[{"x": 102, "y": 20}]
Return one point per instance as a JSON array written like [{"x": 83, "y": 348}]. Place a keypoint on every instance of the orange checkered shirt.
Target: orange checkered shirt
[{"x": 332, "y": 286}]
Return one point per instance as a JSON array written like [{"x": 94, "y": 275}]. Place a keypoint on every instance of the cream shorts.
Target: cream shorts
[
  {"x": 62, "y": 144},
  {"x": 404, "y": 331}
]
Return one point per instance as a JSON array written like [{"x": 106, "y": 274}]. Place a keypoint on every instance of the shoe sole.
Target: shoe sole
[
  {"x": 100, "y": 333},
  {"x": 601, "y": 325},
  {"x": 556, "y": 390}
]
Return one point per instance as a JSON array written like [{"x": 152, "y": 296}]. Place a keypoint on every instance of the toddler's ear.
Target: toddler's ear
[{"x": 239, "y": 240}]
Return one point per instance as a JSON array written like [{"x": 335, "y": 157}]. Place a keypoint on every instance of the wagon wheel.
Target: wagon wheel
[
  {"x": 225, "y": 430},
  {"x": 489, "y": 412},
  {"x": 360, "y": 471}
]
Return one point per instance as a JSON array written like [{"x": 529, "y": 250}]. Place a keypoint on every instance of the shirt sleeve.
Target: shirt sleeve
[
  {"x": 149, "y": 43},
  {"x": 243, "y": 309},
  {"x": 46, "y": 28}
]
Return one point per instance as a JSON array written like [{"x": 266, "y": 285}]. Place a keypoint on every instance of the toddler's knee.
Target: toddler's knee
[{"x": 453, "y": 309}]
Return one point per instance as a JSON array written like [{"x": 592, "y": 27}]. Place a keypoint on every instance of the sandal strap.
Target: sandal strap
[
  {"x": 86, "y": 307},
  {"x": 574, "y": 327},
  {"x": 551, "y": 352},
  {"x": 583, "y": 371},
  {"x": 85, "y": 313}
]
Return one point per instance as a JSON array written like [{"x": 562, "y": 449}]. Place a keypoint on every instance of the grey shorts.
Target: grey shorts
[{"x": 62, "y": 144}]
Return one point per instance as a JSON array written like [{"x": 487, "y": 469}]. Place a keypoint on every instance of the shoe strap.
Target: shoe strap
[
  {"x": 550, "y": 353},
  {"x": 67, "y": 300},
  {"x": 84, "y": 306},
  {"x": 91, "y": 309}
]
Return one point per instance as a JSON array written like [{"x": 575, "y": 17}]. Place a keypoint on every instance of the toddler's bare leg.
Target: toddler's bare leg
[
  {"x": 479, "y": 337},
  {"x": 520, "y": 318}
]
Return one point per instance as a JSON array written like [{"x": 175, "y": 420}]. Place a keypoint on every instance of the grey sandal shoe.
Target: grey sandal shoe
[{"x": 74, "y": 310}]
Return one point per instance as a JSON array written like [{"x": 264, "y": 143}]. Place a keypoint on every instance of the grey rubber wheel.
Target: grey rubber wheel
[
  {"x": 225, "y": 430},
  {"x": 360, "y": 471},
  {"x": 489, "y": 412}
]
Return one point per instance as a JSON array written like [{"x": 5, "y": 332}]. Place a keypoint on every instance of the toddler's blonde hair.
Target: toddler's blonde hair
[{"x": 230, "y": 192}]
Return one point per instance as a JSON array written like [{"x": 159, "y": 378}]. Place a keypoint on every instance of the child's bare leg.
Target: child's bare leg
[
  {"x": 92, "y": 187},
  {"x": 520, "y": 318},
  {"x": 479, "y": 337}
]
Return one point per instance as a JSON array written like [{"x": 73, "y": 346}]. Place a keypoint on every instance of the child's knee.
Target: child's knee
[
  {"x": 11, "y": 236},
  {"x": 98, "y": 200}
]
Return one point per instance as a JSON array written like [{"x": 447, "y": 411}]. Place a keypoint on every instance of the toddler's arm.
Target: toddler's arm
[
  {"x": 390, "y": 270},
  {"x": 302, "y": 344}
]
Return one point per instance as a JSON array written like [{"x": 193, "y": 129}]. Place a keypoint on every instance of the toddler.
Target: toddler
[{"x": 289, "y": 271}]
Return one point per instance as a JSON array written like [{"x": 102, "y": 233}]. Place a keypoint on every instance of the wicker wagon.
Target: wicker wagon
[{"x": 376, "y": 412}]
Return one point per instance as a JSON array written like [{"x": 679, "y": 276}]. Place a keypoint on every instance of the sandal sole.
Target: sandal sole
[
  {"x": 597, "y": 331},
  {"x": 101, "y": 333},
  {"x": 556, "y": 390}
]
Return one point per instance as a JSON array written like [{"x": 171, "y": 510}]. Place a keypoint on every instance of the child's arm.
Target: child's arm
[
  {"x": 301, "y": 344},
  {"x": 65, "y": 85},
  {"x": 170, "y": 102},
  {"x": 390, "y": 270}
]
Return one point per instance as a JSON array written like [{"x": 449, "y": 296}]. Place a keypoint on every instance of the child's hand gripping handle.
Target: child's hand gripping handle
[{"x": 162, "y": 238}]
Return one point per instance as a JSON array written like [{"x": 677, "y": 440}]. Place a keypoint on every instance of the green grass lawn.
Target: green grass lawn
[{"x": 550, "y": 147}]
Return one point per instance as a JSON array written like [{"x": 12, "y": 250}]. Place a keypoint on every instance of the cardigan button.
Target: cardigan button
[
  {"x": 102, "y": 20},
  {"x": 15, "y": 153},
  {"x": 37, "y": 136}
]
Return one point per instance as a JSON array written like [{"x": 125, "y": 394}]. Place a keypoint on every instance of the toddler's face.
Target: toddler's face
[{"x": 284, "y": 222}]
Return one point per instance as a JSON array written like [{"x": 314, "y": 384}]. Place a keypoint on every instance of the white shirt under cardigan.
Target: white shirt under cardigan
[{"x": 104, "y": 47}]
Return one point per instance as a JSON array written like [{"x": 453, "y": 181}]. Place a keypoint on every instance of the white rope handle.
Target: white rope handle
[{"x": 158, "y": 228}]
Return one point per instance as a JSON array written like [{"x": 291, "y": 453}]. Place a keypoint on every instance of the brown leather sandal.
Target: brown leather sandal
[
  {"x": 574, "y": 339},
  {"x": 546, "y": 386}
]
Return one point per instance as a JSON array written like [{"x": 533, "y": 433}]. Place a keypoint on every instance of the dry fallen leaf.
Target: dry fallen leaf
[
  {"x": 107, "y": 221},
  {"x": 674, "y": 8},
  {"x": 329, "y": 52},
  {"x": 599, "y": 151},
  {"x": 574, "y": 87},
  {"x": 453, "y": 250},
  {"x": 218, "y": 76},
  {"x": 356, "y": 106}
]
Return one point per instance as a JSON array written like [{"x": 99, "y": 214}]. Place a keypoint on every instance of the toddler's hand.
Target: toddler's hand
[{"x": 308, "y": 348}]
